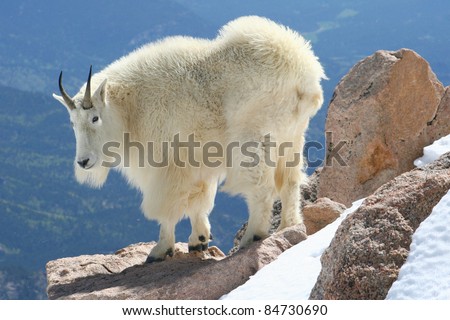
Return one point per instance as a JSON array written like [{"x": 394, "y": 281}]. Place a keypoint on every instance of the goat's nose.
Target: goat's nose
[{"x": 83, "y": 163}]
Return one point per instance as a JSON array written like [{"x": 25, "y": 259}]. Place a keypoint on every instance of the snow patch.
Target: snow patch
[
  {"x": 426, "y": 275},
  {"x": 434, "y": 151}
]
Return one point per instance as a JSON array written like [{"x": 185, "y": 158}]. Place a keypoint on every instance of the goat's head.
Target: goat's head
[{"x": 86, "y": 113}]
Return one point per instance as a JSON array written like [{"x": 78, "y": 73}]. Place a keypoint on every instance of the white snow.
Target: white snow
[
  {"x": 434, "y": 151},
  {"x": 425, "y": 274}
]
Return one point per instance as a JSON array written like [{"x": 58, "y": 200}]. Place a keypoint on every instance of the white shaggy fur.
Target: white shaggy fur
[{"x": 255, "y": 78}]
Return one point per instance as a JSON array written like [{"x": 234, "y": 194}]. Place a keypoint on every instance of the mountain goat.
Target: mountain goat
[{"x": 180, "y": 116}]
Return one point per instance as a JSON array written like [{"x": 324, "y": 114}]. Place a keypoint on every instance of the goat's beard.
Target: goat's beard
[{"x": 94, "y": 177}]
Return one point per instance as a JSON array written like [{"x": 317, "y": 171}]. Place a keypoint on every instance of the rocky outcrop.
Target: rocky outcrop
[
  {"x": 383, "y": 112},
  {"x": 439, "y": 126},
  {"x": 370, "y": 246},
  {"x": 320, "y": 214},
  {"x": 309, "y": 190},
  {"x": 124, "y": 275}
]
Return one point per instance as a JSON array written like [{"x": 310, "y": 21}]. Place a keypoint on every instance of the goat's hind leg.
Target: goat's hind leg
[
  {"x": 289, "y": 177},
  {"x": 260, "y": 206},
  {"x": 253, "y": 179},
  {"x": 290, "y": 201}
]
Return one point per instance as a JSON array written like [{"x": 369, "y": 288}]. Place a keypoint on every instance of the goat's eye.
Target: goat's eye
[{"x": 94, "y": 119}]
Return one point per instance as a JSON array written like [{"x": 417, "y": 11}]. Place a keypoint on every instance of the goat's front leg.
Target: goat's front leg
[
  {"x": 200, "y": 204},
  {"x": 166, "y": 243}
]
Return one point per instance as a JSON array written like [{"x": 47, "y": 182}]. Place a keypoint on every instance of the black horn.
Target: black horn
[
  {"x": 68, "y": 100},
  {"x": 87, "y": 102}
]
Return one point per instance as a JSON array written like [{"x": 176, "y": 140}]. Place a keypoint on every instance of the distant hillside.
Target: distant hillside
[{"x": 38, "y": 38}]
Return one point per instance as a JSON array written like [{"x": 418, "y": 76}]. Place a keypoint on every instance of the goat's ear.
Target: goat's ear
[
  {"x": 98, "y": 98},
  {"x": 61, "y": 100}
]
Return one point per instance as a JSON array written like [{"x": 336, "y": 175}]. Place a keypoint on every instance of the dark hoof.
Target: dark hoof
[
  {"x": 151, "y": 259},
  {"x": 198, "y": 248},
  {"x": 203, "y": 246},
  {"x": 256, "y": 238},
  {"x": 203, "y": 238}
]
